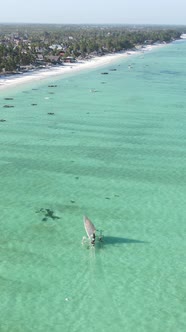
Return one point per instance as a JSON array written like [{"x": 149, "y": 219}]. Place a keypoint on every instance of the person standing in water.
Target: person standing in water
[{"x": 93, "y": 239}]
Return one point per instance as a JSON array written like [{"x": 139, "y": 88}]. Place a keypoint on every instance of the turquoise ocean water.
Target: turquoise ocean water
[{"x": 117, "y": 155}]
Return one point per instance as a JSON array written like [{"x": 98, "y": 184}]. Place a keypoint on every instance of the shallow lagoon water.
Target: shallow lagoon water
[{"x": 114, "y": 150}]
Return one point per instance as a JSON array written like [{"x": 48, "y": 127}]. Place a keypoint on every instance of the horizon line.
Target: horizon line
[{"x": 139, "y": 24}]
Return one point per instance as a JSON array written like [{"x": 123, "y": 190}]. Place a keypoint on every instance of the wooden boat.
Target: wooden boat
[
  {"x": 91, "y": 233},
  {"x": 90, "y": 228}
]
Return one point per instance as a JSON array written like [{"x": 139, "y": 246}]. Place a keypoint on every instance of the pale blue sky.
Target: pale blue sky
[{"x": 94, "y": 11}]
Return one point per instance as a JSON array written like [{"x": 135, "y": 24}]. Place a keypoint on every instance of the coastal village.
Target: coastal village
[{"x": 27, "y": 48}]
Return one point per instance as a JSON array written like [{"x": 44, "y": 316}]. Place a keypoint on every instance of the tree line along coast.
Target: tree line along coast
[{"x": 25, "y": 47}]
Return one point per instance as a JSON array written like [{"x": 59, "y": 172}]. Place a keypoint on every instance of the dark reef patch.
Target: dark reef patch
[{"x": 47, "y": 213}]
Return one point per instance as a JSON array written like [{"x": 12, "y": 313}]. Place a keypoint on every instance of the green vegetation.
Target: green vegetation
[{"x": 34, "y": 46}]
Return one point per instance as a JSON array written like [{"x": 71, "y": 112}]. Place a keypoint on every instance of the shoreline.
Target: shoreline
[{"x": 37, "y": 75}]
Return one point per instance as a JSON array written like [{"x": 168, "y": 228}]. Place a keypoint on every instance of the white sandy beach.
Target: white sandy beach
[{"x": 14, "y": 80}]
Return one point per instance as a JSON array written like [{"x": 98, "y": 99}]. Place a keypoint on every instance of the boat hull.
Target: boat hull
[{"x": 89, "y": 227}]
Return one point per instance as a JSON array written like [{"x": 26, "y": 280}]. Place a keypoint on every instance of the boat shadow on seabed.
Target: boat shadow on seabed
[
  {"x": 120, "y": 240},
  {"x": 101, "y": 241},
  {"x": 94, "y": 240}
]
